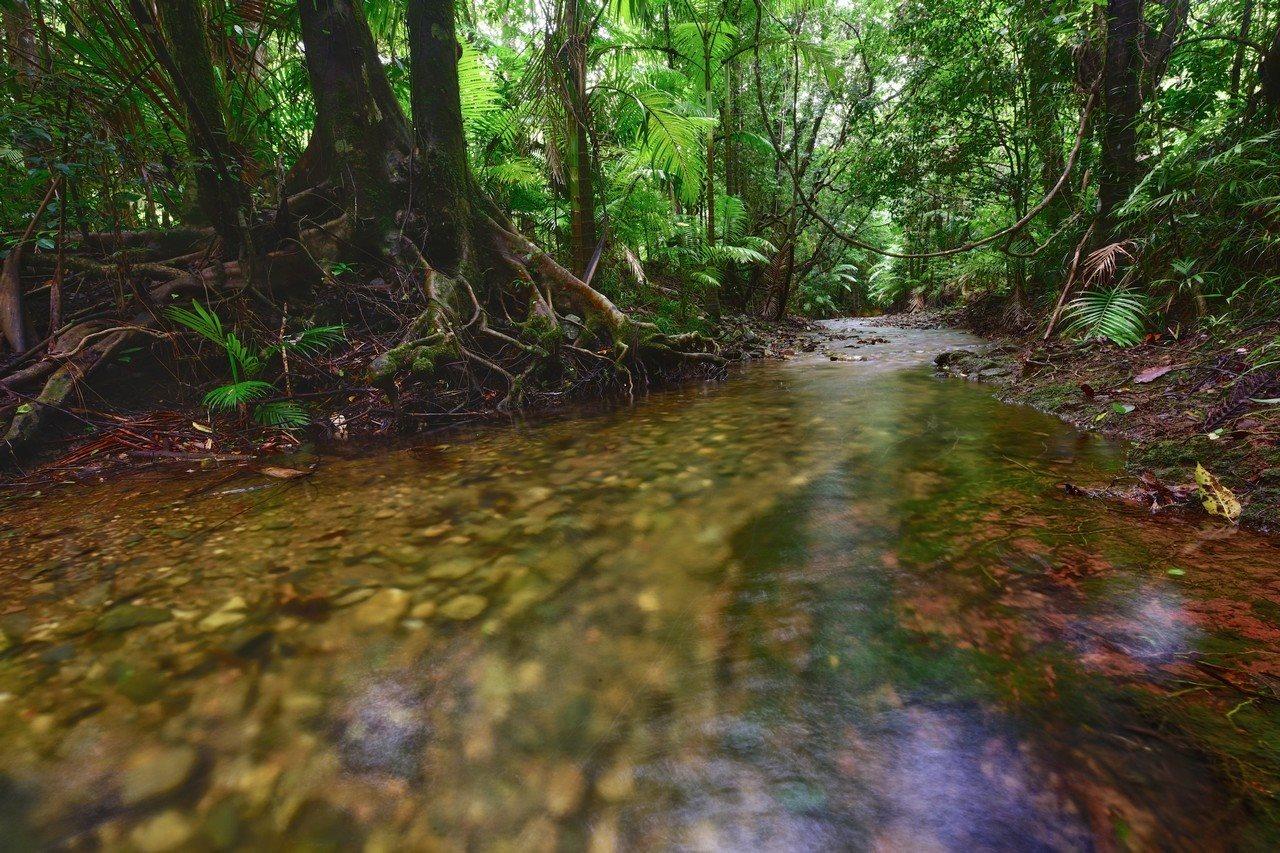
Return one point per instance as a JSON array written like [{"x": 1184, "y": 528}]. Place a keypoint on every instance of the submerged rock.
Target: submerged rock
[
  {"x": 125, "y": 617},
  {"x": 464, "y": 607},
  {"x": 565, "y": 786},
  {"x": 384, "y": 607},
  {"x": 231, "y": 613},
  {"x": 168, "y": 830},
  {"x": 156, "y": 771},
  {"x": 452, "y": 569}
]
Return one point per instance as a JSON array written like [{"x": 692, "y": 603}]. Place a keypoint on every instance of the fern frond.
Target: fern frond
[{"x": 725, "y": 253}]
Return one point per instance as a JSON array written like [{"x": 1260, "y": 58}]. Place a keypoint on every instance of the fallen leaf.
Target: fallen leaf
[
  {"x": 282, "y": 473},
  {"x": 201, "y": 427},
  {"x": 1151, "y": 374},
  {"x": 1217, "y": 498}
]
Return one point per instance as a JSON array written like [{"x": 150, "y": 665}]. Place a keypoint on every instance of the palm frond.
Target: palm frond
[
  {"x": 228, "y": 397},
  {"x": 200, "y": 320},
  {"x": 285, "y": 414},
  {"x": 1115, "y": 313},
  {"x": 1100, "y": 266},
  {"x": 311, "y": 340}
]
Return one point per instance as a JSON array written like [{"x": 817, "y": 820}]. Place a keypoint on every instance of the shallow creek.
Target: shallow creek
[{"x": 822, "y": 605}]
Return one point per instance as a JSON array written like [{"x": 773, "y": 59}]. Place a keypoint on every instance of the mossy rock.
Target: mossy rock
[{"x": 1055, "y": 397}]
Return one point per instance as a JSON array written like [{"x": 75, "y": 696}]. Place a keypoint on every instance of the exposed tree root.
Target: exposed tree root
[{"x": 501, "y": 345}]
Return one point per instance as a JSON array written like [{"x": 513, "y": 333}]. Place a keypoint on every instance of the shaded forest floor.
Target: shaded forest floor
[
  {"x": 1201, "y": 398},
  {"x": 144, "y": 411}
]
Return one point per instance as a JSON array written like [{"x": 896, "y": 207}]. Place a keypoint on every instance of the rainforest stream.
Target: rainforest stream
[{"x": 821, "y": 605}]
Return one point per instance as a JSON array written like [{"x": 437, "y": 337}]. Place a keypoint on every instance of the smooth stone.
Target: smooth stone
[
  {"x": 565, "y": 787},
  {"x": 168, "y": 830},
  {"x": 354, "y": 597},
  {"x": 424, "y": 610},
  {"x": 137, "y": 682},
  {"x": 616, "y": 784},
  {"x": 452, "y": 569},
  {"x": 127, "y": 616},
  {"x": 156, "y": 771},
  {"x": 382, "y": 608},
  {"x": 221, "y": 619},
  {"x": 464, "y": 607}
]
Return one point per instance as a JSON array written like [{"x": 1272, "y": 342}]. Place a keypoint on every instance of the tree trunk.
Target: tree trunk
[
  {"x": 357, "y": 116},
  {"x": 1045, "y": 63},
  {"x": 178, "y": 38},
  {"x": 1237, "y": 62},
  {"x": 1269, "y": 77},
  {"x": 20, "y": 41},
  {"x": 1122, "y": 101},
  {"x": 445, "y": 203},
  {"x": 581, "y": 171}
]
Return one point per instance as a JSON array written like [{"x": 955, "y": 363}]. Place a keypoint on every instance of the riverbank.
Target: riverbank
[
  {"x": 1203, "y": 397},
  {"x": 144, "y": 417}
]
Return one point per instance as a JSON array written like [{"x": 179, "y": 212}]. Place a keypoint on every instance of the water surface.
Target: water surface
[{"x": 823, "y": 605}]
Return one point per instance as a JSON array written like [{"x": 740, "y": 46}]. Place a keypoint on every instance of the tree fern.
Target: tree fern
[{"x": 1115, "y": 313}]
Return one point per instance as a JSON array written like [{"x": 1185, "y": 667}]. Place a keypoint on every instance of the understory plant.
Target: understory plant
[
  {"x": 1116, "y": 313},
  {"x": 247, "y": 387}
]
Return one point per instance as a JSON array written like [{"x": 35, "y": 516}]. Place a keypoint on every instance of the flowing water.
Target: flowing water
[{"x": 822, "y": 605}]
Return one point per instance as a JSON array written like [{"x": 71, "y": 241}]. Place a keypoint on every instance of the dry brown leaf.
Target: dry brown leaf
[
  {"x": 1151, "y": 374},
  {"x": 282, "y": 473}
]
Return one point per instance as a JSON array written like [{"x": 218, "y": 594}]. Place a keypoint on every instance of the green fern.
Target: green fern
[
  {"x": 724, "y": 253},
  {"x": 1115, "y": 313}
]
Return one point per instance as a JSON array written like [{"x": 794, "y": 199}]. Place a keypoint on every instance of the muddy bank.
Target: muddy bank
[{"x": 1204, "y": 398}]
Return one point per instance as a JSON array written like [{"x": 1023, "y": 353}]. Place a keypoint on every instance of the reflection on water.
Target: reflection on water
[{"x": 823, "y": 605}]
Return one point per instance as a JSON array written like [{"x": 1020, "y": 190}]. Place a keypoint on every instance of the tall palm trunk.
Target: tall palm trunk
[{"x": 581, "y": 168}]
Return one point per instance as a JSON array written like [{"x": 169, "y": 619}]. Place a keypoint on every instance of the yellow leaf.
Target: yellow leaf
[{"x": 1218, "y": 499}]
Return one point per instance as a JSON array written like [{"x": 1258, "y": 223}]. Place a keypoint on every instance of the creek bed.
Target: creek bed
[{"x": 826, "y": 604}]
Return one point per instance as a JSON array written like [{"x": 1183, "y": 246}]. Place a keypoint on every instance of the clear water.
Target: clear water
[{"x": 823, "y": 605}]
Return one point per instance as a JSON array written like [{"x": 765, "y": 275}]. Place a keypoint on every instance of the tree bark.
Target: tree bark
[
  {"x": 1122, "y": 101},
  {"x": 445, "y": 203},
  {"x": 1237, "y": 61},
  {"x": 20, "y": 41},
  {"x": 581, "y": 171},
  {"x": 363, "y": 131},
  {"x": 178, "y": 37},
  {"x": 1269, "y": 78}
]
